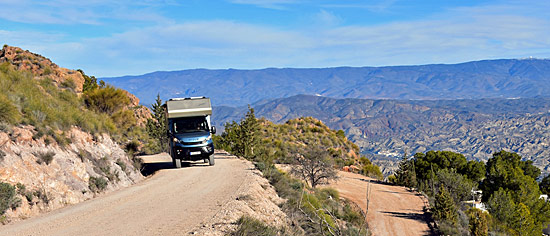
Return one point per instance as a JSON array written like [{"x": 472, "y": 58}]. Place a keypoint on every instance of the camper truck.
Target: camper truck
[{"x": 189, "y": 130}]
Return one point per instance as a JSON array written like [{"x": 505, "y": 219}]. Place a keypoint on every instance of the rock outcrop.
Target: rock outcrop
[
  {"x": 54, "y": 176},
  {"x": 42, "y": 67}
]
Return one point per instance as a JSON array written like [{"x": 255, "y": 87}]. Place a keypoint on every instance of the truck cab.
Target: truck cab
[{"x": 189, "y": 130}]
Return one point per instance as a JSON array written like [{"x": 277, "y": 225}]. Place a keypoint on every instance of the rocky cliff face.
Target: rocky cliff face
[
  {"x": 52, "y": 166},
  {"x": 54, "y": 176}
]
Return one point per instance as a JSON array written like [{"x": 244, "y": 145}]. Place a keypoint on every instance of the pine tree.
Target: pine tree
[
  {"x": 242, "y": 138},
  {"x": 249, "y": 133},
  {"x": 405, "y": 174},
  {"x": 444, "y": 207},
  {"x": 523, "y": 222},
  {"x": 478, "y": 222},
  {"x": 156, "y": 126}
]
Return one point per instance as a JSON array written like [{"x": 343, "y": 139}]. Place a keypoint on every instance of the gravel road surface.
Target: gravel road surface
[
  {"x": 392, "y": 209},
  {"x": 170, "y": 202}
]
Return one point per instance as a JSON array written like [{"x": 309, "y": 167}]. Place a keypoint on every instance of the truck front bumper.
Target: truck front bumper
[{"x": 193, "y": 153}]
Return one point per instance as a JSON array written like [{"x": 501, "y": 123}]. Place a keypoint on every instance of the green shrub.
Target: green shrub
[
  {"x": 47, "y": 71},
  {"x": 45, "y": 157},
  {"x": 42, "y": 195},
  {"x": 8, "y": 112},
  {"x": 137, "y": 162},
  {"x": 61, "y": 139},
  {"x": 2, "y": 155},
  {"x": 107, "y": 99},
  {"x": 373, "y": 171},
  {"x": 21, "y": 189},
  {"x": 248, "y": 226},
  {"x": 84, "y": 155},
  {"x": 8, "y": 197},
  {"x": 124, "y": 119},
  {"x": 329, "y": 192},
  {"x": 132, "y": 147},
  {"x": 69, "y": 83},
  {"x": 121, "y": 164},
  {"x": 349, "y": 215},
  {"x": 97, "y": 184}
]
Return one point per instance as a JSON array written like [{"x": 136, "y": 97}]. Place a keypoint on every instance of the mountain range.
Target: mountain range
[
  {"x": 386, "y": 129},
  {"x": 474, "y": 108},
  {"x": 505, "y": 78}
]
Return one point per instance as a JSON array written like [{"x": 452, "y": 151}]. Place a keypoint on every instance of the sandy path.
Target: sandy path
[
  {"x": 392, "y": 209},
  {"x": 171, "y": 202}
]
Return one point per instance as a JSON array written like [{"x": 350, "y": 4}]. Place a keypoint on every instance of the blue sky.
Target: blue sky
[{"x": 129, "y": 37}]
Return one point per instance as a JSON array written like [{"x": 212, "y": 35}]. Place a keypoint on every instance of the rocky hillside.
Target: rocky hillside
[
  {"x": 385, "y": 129},
  {"x": 56, "y": 146},
  {"x": 49, "y": 176},
  {"x": 506, "y": 78}
]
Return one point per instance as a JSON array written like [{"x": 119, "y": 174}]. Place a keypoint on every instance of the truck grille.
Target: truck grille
[{"x": 191, "y": 143}]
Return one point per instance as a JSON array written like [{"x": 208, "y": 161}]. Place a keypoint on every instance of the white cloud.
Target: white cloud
[
  {"x": 327, "y": 18},
  {"x": 456, "y": 35}
]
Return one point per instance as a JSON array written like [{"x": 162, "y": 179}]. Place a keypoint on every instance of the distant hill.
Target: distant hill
[
  {"x": 506, "y": 78},
  {"x": 385, "y": 129}
]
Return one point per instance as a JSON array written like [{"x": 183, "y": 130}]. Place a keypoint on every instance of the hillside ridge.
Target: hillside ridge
[
  {"x": 386, "y": 129},
  {"x": 502, "y": 78}
]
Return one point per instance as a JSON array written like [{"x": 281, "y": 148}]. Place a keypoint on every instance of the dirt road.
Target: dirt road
[
  {"x": 392, "y": 209},
  {"x": 171, "y": 202}
]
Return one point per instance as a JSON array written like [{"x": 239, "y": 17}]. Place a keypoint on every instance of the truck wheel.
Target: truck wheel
[
  {"x": 177, "y": 163},
  {"x": 211, "y": 160}
]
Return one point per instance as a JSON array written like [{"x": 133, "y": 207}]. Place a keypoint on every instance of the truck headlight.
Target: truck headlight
[{"x": 176, "y": 140}]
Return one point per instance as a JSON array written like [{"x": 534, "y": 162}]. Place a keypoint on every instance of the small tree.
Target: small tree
[
  {"x": 242, "y": 138},
  {"x": 406, "y": 174},
  {"x": 90, "y": 82},
  {"x": 315, "y": 166},
  {"x": 156, "y": 126},
  {"x": 249, "y": 133},
  {"x": 478, "y": 222},
  {"x": 444, "y": 207},
  {"x": 523, "y": 222}
]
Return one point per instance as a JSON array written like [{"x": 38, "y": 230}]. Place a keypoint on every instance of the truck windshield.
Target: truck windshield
[{"x": 190, "y": 124}]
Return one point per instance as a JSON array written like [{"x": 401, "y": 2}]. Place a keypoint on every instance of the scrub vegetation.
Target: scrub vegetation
[
  {"x": 510, "y": 192},
  {"x": 315, "y": 152}
]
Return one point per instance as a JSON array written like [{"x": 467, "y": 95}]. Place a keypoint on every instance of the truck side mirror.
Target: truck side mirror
[{"x": 213, "y": 130}]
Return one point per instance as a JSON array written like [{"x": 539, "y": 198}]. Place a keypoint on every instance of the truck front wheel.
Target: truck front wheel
[{"x": 211, "y": 160}]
